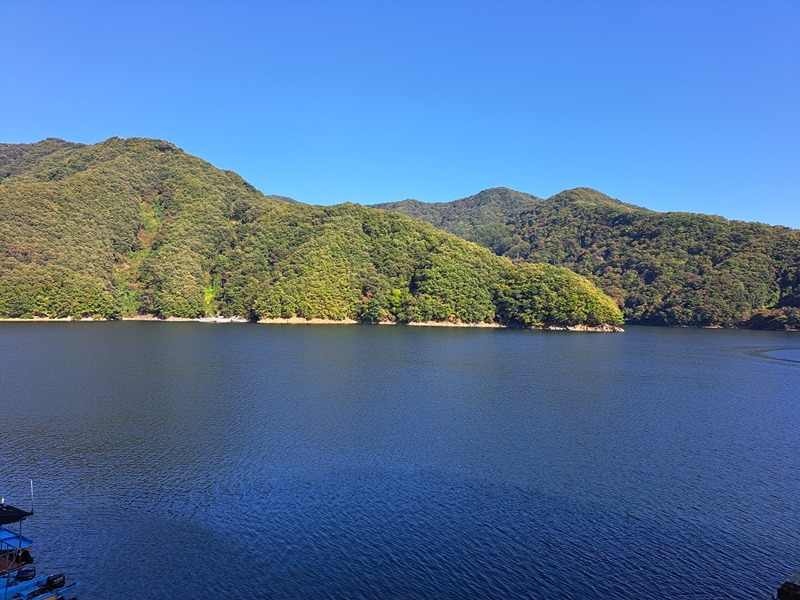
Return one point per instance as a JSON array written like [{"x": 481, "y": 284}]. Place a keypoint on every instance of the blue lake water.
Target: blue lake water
[{"x": 188, "y": 460}]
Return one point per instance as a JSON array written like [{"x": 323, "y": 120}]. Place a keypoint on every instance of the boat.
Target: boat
[
  {"x": 790, "y": 590},
  {"x": 18, "y": 578},
  {"x": 14, "y": 550},
  {"x": 26, "y": 586}
]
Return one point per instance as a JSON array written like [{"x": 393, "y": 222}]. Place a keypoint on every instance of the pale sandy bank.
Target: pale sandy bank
[{"x": 303, "y": 321}]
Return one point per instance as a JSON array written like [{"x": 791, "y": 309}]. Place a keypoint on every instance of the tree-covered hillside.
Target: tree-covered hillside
[
  {"x": 661, "y": 268},
  {"x": 138, "y": 226},
  {"x": 15, "y": 158},
  {"x": 476, "y": 217}
]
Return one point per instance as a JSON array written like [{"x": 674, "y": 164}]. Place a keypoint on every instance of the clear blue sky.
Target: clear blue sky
[{"x": 686, "y": 105}]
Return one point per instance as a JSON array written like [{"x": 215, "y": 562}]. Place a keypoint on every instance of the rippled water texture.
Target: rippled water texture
[{"x": 187, "y": 460}]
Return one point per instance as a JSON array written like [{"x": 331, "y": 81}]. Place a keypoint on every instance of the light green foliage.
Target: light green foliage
[
  {"x": 536, "y": 295},
  {"x": 138, "y": 226}
]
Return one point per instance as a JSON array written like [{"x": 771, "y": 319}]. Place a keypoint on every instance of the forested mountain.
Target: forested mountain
[
  {"x": 474, "y": 217},
  {"x": 138, "y": 226},
  {"x": 15, "y": 158},
  {"x": 661, "y": 268}
]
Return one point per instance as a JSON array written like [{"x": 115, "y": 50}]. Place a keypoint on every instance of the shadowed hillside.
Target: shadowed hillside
[{"x": 661, "y": 268}]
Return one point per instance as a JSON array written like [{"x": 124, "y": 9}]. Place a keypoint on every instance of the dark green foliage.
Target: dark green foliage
[
  {"x": 138, "y": 226},
  {"x": 781, "y": 318},
  {"x": 662, "y": 268}
]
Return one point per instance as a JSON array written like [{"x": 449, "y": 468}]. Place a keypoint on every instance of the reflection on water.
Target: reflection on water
[{"x": 183, "y": 460}]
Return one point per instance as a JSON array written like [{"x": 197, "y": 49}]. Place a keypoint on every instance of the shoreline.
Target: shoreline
[{"x": 304, "y": 321}]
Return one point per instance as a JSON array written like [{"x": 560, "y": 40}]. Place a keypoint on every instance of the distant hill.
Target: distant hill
[
  {"x": 661, "y": 268},
  {"x": 137, "y": 226},
  {"x": 463, "y": 217}
]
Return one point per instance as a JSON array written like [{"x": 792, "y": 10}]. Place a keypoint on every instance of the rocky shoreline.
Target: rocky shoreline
[{"x": 303, "y": 321}]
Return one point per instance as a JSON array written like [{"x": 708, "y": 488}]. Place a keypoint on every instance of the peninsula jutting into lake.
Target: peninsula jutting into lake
[{"x": 132, "y": 227}]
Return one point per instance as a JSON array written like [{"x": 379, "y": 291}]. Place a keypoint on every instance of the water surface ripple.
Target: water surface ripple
[{"x": 185, "y": 460}]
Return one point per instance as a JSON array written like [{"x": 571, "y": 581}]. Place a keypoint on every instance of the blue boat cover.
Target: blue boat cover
[{"x": 11, "y": 540}]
